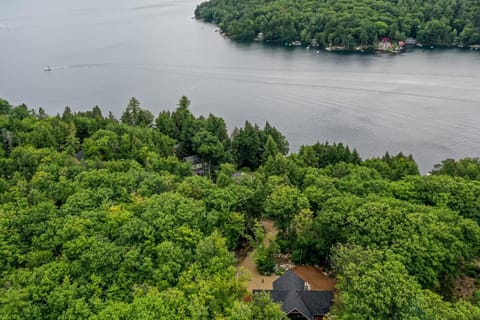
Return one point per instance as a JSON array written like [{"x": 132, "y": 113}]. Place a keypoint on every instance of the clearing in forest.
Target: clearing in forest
[
  {"x": 257, "y": 281},
  {"x": 316, "y": 278}
]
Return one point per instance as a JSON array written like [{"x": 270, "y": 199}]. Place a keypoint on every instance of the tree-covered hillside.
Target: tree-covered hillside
[
  {"x": 103, "y": 219},
  {"x": 347, "y": 23}
]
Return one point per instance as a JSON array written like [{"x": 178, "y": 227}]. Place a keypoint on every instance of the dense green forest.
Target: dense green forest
[
  {"x": 102, "y": 218},
  {"x": 347, "y": 23}
]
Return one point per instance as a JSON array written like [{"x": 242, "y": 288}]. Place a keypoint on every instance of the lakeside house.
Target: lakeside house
[
  {"x": 385, "y": 44},
  {"x": 304, "y": 292}
]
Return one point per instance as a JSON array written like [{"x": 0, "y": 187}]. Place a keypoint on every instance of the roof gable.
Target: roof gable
[{"x": 294, "y": 302}]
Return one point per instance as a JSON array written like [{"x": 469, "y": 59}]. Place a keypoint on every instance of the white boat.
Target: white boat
[{"x": 48, "y": 68}]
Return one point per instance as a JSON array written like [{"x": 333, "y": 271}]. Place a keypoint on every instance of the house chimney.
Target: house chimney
[{"x": 306, "y": 286}]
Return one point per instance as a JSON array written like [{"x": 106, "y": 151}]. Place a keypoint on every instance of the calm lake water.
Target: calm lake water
[{"x": 104, "y": 52}]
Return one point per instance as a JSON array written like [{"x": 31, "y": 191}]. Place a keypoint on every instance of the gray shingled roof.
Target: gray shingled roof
[
  {"x": 289, "y": 290},
  {"x": 318, "y": 302},
  {"x": 289, "y": 281},
  {"x": 294, "y": 302},
  {"x": 278, "y": 296}
]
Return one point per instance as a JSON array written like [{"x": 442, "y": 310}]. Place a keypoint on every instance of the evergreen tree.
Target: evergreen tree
[
  {"x": 271, "y": 149},
  {"x": 136, "y": 116}
]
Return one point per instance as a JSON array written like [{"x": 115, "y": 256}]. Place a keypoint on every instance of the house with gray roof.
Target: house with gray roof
[{"x": 297, "y": 300}]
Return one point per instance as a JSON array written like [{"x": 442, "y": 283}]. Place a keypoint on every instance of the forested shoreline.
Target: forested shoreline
[
  {"x": 103, "y": 218},
  {"x": 346, "y": 24}
]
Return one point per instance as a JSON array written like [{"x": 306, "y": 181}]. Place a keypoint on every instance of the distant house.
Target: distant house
[
  {"x": 259, "y": 37},
  {"x": 385, "y": 44},
  {"x": 79, "y": 155},
  {"x": 410, "y": 41},
  {"x": 198, "y": 165},
  {"x": 297, "y": 298},
  {"x": 238, "y": 174}
]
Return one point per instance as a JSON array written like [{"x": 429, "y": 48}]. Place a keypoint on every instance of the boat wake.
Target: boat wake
[{"x": 48, "y": 68}]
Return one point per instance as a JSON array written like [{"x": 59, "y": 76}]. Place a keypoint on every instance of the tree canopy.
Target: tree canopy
[
  {"x": 346, "y": 23},
  {"x": 104, "y": 219}
]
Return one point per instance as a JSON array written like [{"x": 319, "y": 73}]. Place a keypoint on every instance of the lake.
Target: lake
[{"x": 424, "y": 102}]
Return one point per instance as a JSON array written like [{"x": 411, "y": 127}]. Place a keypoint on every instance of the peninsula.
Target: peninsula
[{"x": 347, "y": 25}]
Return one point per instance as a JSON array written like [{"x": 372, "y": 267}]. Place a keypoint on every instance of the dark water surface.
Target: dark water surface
[{"x": 104, "y": 52}]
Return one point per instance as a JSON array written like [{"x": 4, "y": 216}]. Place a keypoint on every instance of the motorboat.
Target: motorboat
[{"x": 47, "y": 68}]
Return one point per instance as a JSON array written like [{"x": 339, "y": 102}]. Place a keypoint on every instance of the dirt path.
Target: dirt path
[
  {"x": 257, "y": 281},
  {"x": 270, "y": 232}
]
